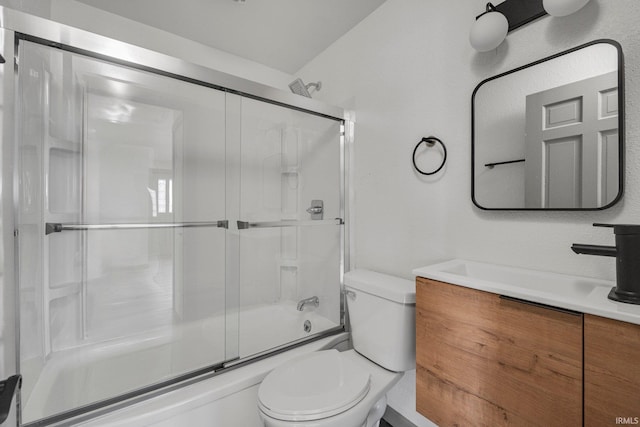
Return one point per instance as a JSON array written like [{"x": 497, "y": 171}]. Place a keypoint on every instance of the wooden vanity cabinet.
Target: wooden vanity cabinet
[
  {"x": 483, "y": 360},
  {"x": 611, "y": 372}
]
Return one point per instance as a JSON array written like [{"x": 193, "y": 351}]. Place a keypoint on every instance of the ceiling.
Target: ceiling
[{"x": 281, "y": 34}]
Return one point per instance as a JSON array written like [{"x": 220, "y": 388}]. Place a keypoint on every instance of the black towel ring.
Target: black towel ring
[{"x": 430, "y": 142}]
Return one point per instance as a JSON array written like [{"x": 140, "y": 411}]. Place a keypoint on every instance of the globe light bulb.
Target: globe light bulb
[
  {"x": 563, "y": 7},
  {"x": 489, "y": 30}
]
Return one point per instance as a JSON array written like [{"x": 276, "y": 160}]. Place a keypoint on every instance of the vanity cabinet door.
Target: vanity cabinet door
[
  {"x": 611, "y": 372},
  {"x": 483, "y": 360}
]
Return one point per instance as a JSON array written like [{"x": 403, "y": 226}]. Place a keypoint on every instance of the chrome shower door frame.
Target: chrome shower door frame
[{"x": 9, "y": 313}]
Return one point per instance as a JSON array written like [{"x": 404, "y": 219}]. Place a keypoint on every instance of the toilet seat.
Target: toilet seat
[{"x": 312, "y": 387}]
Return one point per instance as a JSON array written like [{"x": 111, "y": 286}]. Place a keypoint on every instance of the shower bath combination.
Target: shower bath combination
[{"x": 131, "y": 178}]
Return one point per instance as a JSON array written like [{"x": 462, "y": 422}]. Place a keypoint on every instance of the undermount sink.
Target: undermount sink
[
  {"x": 512, "y": 281},
  {"x": 533, "y": 280},
  {"x": 581, "y": 294}
]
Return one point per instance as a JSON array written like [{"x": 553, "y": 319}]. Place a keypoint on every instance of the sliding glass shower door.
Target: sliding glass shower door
[
  {"x": 167, "y": 229},
  {"x": 290, "y": 225},
  {"x": 122, "y": 224}
]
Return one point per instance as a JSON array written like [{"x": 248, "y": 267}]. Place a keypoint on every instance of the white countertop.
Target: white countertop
[{"x": 583, "y": 294}]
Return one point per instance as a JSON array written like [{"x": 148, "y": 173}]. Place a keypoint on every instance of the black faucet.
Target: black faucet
[{"x": 627, "y": 253}]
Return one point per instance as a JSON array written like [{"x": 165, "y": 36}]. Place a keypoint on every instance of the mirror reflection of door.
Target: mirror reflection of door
[{"x": 571, "y": 145}]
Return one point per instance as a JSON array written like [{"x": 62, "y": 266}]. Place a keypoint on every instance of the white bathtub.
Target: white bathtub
[
  {"x": 84, "y": 375},
  {"x": 226, "y": 400}
]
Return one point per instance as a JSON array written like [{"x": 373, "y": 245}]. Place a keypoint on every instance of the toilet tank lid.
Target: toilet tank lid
[{"x": 385, "y": 286}]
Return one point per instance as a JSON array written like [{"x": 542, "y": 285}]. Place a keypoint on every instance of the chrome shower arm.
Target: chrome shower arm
[{"x": 316, "y": 86}]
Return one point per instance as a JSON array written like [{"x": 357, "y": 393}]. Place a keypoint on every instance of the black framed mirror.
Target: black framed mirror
[{"x": 550, "y": 135}]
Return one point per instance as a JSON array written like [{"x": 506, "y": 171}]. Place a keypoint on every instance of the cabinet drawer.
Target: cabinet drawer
[
  {"x": 486, "y": 361},
  {"x": 611, "y": 372}
]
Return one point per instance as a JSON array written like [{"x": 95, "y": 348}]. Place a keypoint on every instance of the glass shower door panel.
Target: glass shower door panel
[
  {"x": 288, "y": 159},
  {"x": 122, "y": 184}
]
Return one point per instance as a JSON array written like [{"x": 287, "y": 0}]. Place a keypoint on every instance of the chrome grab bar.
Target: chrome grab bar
[
  {"x": 52, "y": 227},
  {"x": 243, "y": 225}
]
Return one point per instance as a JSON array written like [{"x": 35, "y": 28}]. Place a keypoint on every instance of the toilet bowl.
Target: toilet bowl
[
  {"x": 324, "y": 389},
  {"x": 348, "y": 389}
]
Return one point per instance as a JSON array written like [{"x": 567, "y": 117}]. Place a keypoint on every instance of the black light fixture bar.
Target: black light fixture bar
[{"x": 520, "y": 12}]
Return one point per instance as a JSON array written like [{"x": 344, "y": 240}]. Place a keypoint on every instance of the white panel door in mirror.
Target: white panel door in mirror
[{"x": 571, "y": 145}]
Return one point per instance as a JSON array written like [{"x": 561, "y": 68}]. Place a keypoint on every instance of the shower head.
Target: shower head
[{"x": 298, "y": 87}]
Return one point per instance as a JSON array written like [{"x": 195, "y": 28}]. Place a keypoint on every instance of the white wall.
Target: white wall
[{"x": 408, "y": 71}]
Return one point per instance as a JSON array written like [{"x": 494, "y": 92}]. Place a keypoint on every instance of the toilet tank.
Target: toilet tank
[{"x": 382, "y": 312}]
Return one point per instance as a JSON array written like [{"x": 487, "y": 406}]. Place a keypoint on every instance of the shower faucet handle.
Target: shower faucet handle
[{"x": 316, "y": 210}]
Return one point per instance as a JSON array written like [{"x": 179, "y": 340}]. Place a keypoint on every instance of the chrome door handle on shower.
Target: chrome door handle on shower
[
  {"x": 315, "y": 210},
  {"x": 54, "y": 227},
  {"x": 243, "y": 225}
]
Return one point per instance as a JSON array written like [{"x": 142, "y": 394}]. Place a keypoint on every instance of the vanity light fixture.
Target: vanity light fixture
[
  {"x": 563, "y": 7},
  {"x": 491, "y": 27},
  {"x": 489, "y": 30}
]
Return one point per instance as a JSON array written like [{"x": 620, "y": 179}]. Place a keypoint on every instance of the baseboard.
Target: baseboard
[{"x": 396, "y": 419}]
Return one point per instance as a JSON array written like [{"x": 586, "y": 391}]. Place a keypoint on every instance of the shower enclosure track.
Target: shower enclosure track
[{"x": 53, "y": 227}]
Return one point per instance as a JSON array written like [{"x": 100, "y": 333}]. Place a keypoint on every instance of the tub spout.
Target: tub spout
[{"x": 315, "y": 301}]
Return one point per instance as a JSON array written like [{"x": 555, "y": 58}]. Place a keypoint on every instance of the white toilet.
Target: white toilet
[{"x": 348, "y": 389}]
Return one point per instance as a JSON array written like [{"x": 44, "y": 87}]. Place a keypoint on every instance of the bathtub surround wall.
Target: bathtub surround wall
[{"x": 410, "y": 64}]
